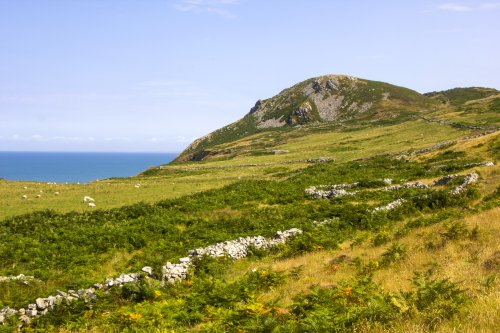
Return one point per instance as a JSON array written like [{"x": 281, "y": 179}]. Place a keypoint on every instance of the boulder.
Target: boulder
[
  {"x": 24, "y": 319},
  {"x": 148, "y": 270},
  {"x": 316, "y": 86},
  {"x": 41, "y": 304},
  {"x": 32, "y": 313}
]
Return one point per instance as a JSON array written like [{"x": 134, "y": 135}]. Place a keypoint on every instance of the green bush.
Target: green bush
[
  {"x": 437, "y": 299},
  {"x": 381, "y": 238},
  {"x": 455, "y": 230},
  {"x": 343, "y": 308},
  {"x": 394, "y": 253}
]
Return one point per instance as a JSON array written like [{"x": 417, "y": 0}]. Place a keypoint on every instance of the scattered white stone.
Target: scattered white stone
[
  {"x": 469, "y": 179},
  {"x": 390, "y": 206},
  {"x": 148, "y": 269},
  {"x": 91, "y": 204},
  {"x": 324, "y": 222},
  {"x": 487, "y": 163},
  {"x": 24, "y": 196},
  {"x": 21, "y": 277},
  {"x": 87, "y": 199},
  {"x": 407, "y": 185},
  {"x": 171, "y": 273}
]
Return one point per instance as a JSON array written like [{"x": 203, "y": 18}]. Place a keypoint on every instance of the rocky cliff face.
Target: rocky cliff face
[{"x": 329, "y": 98}]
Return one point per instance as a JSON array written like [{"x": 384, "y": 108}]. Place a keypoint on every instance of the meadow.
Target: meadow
[
  {"x": 365, "y": 271},
  {"x": 254, "y": 161}
]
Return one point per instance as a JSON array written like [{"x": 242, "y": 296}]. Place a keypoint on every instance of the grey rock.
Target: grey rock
[
  {"x": 41, "y": 304},
  {"x": 32, "y": 313},
  {"x": 390, "y": 206},
  {"x": 185, "y": 260},
  {"x": 61, "y": 293},
  {"x": 256, "y": 107},
  {"x": 316, "y": 87},
  {"x": 24, "y": 319},
  {"x": 330, "y": 84},
  {"x": 148, "y": 270},
  {"x": 469, "y": 179}
]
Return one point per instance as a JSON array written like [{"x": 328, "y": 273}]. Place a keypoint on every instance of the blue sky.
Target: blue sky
[{"x": 151, "y": 75}]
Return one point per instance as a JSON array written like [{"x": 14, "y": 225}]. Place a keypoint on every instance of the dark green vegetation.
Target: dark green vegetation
[
  {"x": 459, "y": 96},
  {"x": 401, "y": 270},
  {"x": 210, "y": 303},
  {"x": 61, "y": 249}
]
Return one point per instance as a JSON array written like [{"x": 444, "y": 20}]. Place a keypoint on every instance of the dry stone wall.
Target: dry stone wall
[
  {"x": 171, "y": 273},
  {"x": 338, "y": 190}
]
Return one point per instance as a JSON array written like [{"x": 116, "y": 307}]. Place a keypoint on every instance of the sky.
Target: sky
[{"x": 153, "y": 75}]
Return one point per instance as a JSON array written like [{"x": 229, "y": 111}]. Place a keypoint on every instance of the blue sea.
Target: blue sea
[{"x": 76, "y": 167}]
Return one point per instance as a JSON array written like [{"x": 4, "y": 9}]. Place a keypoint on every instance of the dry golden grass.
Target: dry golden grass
[{"x": 460, "y": 261}]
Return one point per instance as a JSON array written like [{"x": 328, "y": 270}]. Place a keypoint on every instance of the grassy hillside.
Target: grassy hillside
[
  {"x": 367, "y": 269},
  {"x": 330, "y": 99},
  {"x": 252, "y": 157}
]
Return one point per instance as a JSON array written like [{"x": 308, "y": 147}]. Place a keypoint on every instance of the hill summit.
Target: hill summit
[{"x": 325, "y": 99}]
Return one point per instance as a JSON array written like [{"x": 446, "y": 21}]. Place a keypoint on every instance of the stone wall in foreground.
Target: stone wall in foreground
[{"x": 171, "y": 273}]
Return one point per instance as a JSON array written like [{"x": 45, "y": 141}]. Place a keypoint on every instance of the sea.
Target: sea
[{"x": 66, "y": 167}]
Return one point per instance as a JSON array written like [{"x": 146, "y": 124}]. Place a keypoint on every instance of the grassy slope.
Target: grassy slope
[
  {"x": 216, "y": 215},
  {"x": 402, "y": 104},
  {"x": 174, "y": 181},
  {"x": 428, "y": 249}
]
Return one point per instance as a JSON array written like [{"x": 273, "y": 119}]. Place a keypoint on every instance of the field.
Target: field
[
  {"x": 174, "y": 181},
  {"x": 429, "y": 264}
]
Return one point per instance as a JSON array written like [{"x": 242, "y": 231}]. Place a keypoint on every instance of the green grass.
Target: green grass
[{"x": 366, "y": 272}]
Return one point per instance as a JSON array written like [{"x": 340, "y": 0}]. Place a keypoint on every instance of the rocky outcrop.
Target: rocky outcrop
[
  {"x": 315, "y": 101},
  {"x": 302, "y": 115}
]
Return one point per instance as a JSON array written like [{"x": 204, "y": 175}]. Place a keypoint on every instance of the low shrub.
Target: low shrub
[
  {"x": 394, "y": 253},
  {"x": 381, "y": 238},
  {"x": 437, "y": 299}
]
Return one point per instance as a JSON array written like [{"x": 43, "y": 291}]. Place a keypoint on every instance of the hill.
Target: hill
[
  {"x": 388, "y": 222},
  {"x": 329, "y": 99}
]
